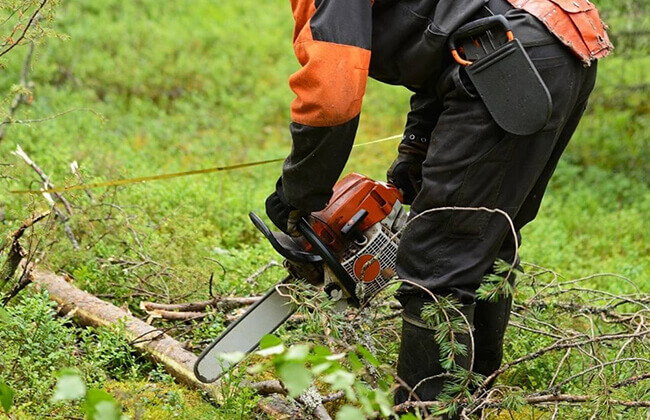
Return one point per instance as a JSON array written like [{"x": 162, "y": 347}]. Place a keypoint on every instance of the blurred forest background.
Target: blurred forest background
[{"x": 142, "y": 87}]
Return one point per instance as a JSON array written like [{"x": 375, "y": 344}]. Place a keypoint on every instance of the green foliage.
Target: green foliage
[
  {"x": 100, "y": 405},
  {"x": 97, "y": 404},
  {"x": 445, "y": 317},
  {"x": 6, "y": 397},
  {"x": 301, "y": 366},
  {"x": 500, "y": 284},
  {"x": 110, "y": 351},
  {"x": 191, "y": 87},
  {"x": 348, "y": 412}
]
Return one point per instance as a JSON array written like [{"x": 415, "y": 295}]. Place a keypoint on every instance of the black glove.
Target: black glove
[
  {"x": 282, "y": 214},
  {"x": 406, "y": 171}
]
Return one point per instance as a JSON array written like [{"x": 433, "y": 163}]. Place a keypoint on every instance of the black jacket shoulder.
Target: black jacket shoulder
[{"x": 409, "y": 38}]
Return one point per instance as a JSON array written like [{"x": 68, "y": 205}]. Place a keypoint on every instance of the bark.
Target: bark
[{"x": 88, "y": 310}]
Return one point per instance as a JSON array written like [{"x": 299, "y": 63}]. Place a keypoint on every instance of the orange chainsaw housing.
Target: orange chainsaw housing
[{"x": 351, "y": 194}]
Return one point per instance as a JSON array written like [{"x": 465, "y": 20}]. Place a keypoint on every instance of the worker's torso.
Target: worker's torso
[{"x": 409, "y": 36}]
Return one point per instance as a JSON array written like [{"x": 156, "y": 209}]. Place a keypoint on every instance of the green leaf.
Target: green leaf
[
  {"x": 321, "y": 367},
  {"x": 384, "y": 402},
  {"x": 270, "y": 345},
  {"x": 269, "y": 341},
  {"x": 355, "y": 362},
  {"x": 348, "y": 412},
  {"x": 70, "y": 386},
  {"x": 409, "y": 416},
  {"x": 296, "y": 377},
  {"x": 297, "y": 353},
  {"x": 107, "y": 410},
  {"x": 6, "y": 397},
  {"x": 94, "y": 397},
  {"x": 368, "y": 356},
  {"x": 5, "y": 317},
  {"x": 340, "y": 379},
  {"x": 322, "y": 351},
  {"x": 231, "y": 358}
]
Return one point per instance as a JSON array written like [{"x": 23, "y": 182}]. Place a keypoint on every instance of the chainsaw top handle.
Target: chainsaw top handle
[{"x": 330, "y": 259}]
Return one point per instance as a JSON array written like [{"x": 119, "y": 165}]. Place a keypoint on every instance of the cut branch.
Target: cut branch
[
  {"x": 219, "y": 303},
  {"x": 88, "y": 310},
  {"x": 530, "y": 400},
  {"x": 311, "y": 400}
]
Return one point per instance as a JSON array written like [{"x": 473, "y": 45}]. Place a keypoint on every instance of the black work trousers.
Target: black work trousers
[{"x": 472, "y": 162}]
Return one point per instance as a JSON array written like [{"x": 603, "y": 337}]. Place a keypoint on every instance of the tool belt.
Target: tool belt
[
  {"x": 503, "y": 75},
  {"x": 576, "y": 23},
  {"x": 501, "y": 70}
]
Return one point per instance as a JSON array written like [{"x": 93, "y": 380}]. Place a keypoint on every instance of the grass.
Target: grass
[{"x": 186, "y": 85}]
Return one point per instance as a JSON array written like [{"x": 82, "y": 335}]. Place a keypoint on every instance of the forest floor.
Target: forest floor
[{"x": 175, "y": 87}]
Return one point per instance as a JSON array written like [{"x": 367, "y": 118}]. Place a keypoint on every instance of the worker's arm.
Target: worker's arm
[
  {"x": 332, "y": 41},
  {"x": 425, "y": 111},
  {"x": 406, "y": 170}
]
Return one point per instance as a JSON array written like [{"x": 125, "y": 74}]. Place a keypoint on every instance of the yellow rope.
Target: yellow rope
[{"x": 143, "y": 179}]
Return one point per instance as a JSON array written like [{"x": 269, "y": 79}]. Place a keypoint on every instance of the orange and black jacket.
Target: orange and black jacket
[{"x": 339, "y": 43}]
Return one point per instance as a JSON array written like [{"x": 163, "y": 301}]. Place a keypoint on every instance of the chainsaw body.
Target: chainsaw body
[
  {"x": 349, "y": 247},
  {"x": 361, "y": 226},
  {"x": 356, "y": 237}
]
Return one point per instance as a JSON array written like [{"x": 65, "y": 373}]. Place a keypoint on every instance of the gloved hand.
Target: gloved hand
[
  {"x": 406, "y": 171},
  {"x": 282, "y": 214}
]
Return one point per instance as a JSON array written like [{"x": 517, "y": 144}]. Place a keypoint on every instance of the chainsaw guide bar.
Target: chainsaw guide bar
[{"x": 244, "y": 335}]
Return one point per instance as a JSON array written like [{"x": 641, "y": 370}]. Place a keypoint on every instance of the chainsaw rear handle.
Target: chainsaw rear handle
[{"x": 330, "y": 259}]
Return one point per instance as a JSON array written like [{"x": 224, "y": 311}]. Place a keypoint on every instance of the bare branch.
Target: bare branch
[{"x": 32, "y": 19}]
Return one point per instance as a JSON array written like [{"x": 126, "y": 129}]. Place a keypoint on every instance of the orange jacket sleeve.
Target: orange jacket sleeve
[{"x": 332, "y": 42}]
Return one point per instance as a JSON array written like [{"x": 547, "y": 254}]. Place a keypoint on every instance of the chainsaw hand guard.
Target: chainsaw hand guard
[{"x": 284, "y": 244}]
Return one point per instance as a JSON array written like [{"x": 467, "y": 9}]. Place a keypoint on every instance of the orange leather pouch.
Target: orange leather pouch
[{"x": 576, "y": 23}]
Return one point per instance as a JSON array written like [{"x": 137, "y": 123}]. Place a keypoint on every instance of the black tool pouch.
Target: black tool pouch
[{"x": 503, "y": 75}]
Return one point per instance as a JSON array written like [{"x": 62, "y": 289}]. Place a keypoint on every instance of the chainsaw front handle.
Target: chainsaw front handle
[{"x": 330, "y": 259}]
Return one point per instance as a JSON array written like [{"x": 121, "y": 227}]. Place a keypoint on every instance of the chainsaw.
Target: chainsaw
[{"x": 349, "y": 248}]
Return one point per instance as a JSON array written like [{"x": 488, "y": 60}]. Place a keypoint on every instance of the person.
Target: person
[{"x": 454, "y": 152}]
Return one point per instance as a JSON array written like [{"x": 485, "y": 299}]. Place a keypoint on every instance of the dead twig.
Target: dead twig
[
  {"x": 20, "y": 97},
  {"x": 530, "y": 400},
  {"x": 32, "y": 19},
  {"x": 74, "y": 168},
  {"x": 253, "y": 277},
  {"x": 48, "y": 184},
  {"x": 218, "y": 303}
]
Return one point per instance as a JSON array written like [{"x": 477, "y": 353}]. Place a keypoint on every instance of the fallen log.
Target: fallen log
[{"x": 89, "y": 310}]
